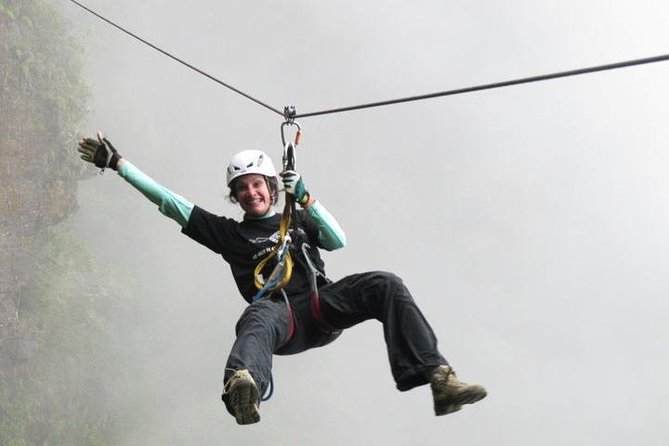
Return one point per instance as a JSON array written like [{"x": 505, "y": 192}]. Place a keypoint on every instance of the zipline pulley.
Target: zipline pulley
[{"x": 289, "y": 113}]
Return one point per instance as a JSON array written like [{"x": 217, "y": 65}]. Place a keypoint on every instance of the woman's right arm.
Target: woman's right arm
[
  {"x": 169, "y": 203},
  {"x": 102, "y": 154}
]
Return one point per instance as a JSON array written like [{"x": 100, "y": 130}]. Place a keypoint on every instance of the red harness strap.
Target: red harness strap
[
  {"x": 318, "y": 314},
  {"x": 291, "y": 328}
]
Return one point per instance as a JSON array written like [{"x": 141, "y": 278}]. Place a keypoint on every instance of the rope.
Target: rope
[
  {"x": 526, "y": 80},
  {"x": 202, "y": 72}
]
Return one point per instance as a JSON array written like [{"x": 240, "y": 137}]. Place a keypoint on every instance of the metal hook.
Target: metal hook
[{"x": 289, "y": 156}]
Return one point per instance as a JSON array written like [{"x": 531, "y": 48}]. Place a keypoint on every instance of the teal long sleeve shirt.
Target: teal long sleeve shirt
[{"x": 172, "y": 205}]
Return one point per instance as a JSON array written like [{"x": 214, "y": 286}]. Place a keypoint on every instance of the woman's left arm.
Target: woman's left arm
[{"x": 330, "y": 235}]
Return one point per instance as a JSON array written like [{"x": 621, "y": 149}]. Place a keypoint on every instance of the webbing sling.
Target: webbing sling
[
  {"x": 314, "y": 296},
  {"x": 283, "y": 270}
]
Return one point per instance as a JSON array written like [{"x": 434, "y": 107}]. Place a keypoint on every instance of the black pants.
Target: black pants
[{"x": 263, "y": 328}]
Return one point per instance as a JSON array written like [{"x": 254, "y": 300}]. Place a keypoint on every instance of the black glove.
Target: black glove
[{"x": 99, "y": 151}]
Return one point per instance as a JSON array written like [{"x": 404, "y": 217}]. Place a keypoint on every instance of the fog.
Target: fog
[{"x": 531, "y": 223}]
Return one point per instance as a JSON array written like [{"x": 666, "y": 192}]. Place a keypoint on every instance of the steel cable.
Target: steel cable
[{"x": 502, "y": 84}]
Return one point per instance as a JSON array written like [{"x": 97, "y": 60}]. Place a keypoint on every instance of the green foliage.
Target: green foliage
[
  {"x": 67, "y": 355},
  {"x": 43, "y": 97},
  {"x": 41, "y": 61},
  {"x": 61, "y": 378}
]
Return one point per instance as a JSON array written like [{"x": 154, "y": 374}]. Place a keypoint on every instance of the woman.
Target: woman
[{"x": 310, "y": 311}]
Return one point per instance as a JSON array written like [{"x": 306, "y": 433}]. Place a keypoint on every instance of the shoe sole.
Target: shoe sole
[{"x": 244, "y": 401}]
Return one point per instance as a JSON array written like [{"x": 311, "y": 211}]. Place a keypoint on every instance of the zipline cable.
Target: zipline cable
[
  {"x": 526, "y": 80},
  {"x": 218, "y": 81}
]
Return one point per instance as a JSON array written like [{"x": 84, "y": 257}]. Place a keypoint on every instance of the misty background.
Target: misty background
[{"x": 531, "y": 223}]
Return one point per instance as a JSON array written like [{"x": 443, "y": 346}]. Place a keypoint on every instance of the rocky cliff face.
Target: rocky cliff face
[
  {"x": 50, "y": 321},
  {"x": 42, "y": 97}
]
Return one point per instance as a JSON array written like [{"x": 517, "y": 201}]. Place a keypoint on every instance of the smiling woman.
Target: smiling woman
[
  {"x": 252, "y": 191},
  {"x": 528, "y": 221},
  {"x": 251, "y": 178},
  {"x": 308, "y": 310}
]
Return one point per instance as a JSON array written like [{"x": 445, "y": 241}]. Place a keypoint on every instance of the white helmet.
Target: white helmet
[{"x": 250, "y": 161}]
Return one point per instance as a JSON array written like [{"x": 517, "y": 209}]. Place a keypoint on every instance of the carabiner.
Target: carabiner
[{"x": 288, "y": 156}]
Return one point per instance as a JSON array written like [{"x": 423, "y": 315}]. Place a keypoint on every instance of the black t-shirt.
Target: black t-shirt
[{"x": 244, "y": 244}]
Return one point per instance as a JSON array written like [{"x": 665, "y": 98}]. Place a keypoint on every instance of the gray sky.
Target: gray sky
[{"x": 531, "y": 223}]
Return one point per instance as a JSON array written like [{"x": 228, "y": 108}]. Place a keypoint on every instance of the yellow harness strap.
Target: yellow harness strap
[{"x": 283, "y": 270}]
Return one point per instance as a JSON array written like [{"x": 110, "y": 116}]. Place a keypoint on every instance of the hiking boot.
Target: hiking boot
[
  {"x": 241, "y": 397},
  {"x": 450, "y": 394}
]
